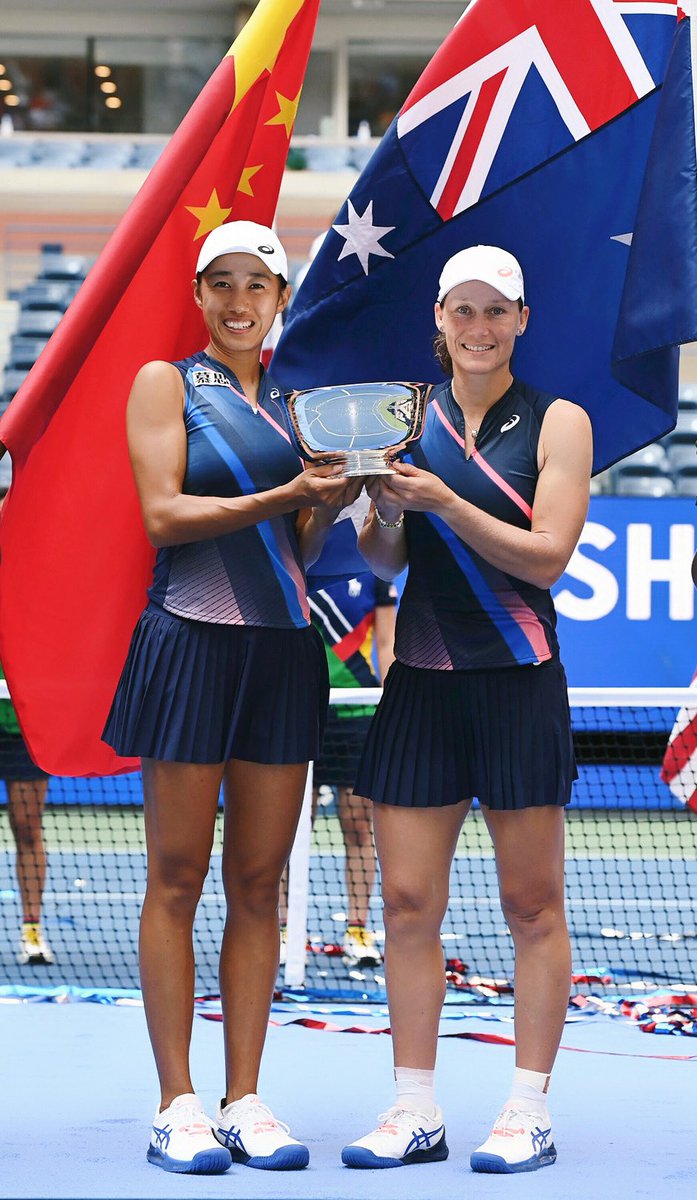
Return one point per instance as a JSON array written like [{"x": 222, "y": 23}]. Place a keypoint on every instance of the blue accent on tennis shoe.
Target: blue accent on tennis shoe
[
  {"x": 494, "y": 1164},
  {"x": 419, "y": 1150},
  {"x": 285, "y": 1158},
  {"x": 206, "y": 1162}
]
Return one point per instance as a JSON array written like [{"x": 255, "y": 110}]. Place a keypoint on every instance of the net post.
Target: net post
[{"x": 298, "y": 893}]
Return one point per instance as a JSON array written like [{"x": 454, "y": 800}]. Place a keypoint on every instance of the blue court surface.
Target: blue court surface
[{"x": 82, "y": 1094}]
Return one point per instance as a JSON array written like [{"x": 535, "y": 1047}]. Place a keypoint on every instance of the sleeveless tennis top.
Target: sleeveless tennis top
[
  {"x": 458, "y": 612},
  {"x": 254, "y": 576}
]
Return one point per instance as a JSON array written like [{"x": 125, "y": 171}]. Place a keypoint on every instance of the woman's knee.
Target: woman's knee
[
  {"x": 254, "y": 890},
  {"x": 533, "y": 912},
  {"x": 176, "y": 883},
  {"x": 412, "y": 906},
  {"x": 27, "y": 831}
]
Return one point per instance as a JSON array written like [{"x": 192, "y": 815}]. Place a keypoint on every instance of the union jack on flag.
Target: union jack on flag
[
  {"x": 529, "y": 47},
  {"x": 556, "y": 130}
]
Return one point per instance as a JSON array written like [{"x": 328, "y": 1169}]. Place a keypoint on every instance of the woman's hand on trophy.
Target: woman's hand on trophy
[
  {"x": 386, "y": 502},
  {"x": 327, "y": 490},
  {"x": 411, "y": 488}
]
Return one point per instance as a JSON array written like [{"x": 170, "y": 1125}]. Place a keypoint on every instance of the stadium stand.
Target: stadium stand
[
  {"x": 42, "y": 304},
  {"x": 644, "y": 481}
]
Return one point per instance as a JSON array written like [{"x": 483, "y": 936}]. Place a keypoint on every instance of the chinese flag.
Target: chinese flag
[{"x": 75, "y": 562}]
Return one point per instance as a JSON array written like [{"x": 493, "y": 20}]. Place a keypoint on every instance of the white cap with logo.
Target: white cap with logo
[
  {"x": 488, "y": 264},
  {"x": 244, "y": 237}
]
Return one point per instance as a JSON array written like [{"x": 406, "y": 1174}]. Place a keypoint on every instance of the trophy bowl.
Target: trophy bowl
[{"x": 363, "y": 421}]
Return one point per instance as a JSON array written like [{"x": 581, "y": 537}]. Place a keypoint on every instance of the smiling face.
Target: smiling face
[
  {"x": 480, "y": 327},
  {"x": 239, "y": 298}
]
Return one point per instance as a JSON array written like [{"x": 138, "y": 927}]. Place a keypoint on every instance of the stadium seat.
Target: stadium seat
[
  {"x": 636, "y": 482},
  {"x": 144, "y": 155},
  {"x": 52, "y": 294},
  {"x": 687, "y": 396},
  {"x": 685, "y": 424},
  {"x": 327, "y": 158},
  {"x": 11, "y": 381},
  {"x": 14, "y": 152},
  {"x": 652, "y": 456},
  {"x": 602, "y": 484},
  {"x": 681, "y": 451},
  {"x": 57, "y": 265},
  {"x": 38, "y": 322},
  {"x": 106, "y": 155},
  {"x": 686, "y": 481},
  {"x": 360, "y": 155},
  {"x": 56, "y": 154},
  {"x": 24, "y": 351}
]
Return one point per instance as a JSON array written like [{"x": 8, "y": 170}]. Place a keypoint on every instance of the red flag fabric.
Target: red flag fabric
[
  {"x": 75, "y": 562},
  {"x": 679, "y": 769}
]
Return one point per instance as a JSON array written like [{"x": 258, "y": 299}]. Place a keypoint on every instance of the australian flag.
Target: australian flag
[{"x": 564, "y": 131}]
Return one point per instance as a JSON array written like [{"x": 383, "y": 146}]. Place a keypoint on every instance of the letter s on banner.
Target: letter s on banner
[{"x": 604, "y": 587}]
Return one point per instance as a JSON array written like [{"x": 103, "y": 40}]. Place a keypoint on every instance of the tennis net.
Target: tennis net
[{"x": 631, "y": 875}]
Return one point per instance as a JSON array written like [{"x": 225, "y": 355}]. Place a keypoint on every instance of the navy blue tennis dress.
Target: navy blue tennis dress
[
  {"x": 476, "y": 703},
  {"x": 224, "y": 662}
]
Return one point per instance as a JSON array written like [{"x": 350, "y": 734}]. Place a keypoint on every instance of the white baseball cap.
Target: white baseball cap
[
  {"x": 488, "y": 264},
  {"x": 244, "y": 237}
]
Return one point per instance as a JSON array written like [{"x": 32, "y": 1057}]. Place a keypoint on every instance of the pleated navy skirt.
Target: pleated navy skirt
[
  {"x": 439, "y": 737},
  {"x": 195, "y": 692}
]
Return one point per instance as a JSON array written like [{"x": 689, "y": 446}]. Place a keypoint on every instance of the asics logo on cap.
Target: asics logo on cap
[{"x": 510, "y": 423}]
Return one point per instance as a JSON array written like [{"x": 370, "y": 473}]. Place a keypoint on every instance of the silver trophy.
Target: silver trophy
[{"x": 364, "y": 421}]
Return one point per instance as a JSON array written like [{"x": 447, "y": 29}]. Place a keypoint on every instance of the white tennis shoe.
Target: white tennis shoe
[
  {"x": 253, "y": 1136},
  {"x": 402, "y": 1139},
  {"x": 182, "y": 1140},
  {"x": 360, "y": 948},
  {"x": 519, "y": 1141},
  {"x": 33, "y": 947}
]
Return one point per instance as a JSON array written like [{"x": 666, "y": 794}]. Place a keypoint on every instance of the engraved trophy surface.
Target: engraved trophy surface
[{"x": 364, "y": 421}]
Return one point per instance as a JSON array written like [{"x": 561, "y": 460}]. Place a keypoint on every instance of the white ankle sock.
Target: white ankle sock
[
  {"x": 530, "y": 1086},
  {"x": 415, "y": 1089}
]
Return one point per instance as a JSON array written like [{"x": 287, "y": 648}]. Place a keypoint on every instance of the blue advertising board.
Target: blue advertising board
[{"x": 626, "y": 603}]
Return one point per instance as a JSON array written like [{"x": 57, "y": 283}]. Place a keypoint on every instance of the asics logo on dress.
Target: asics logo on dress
[
  {"x": 421, "y": 1139},
  {"x": 510, "y": 423}
]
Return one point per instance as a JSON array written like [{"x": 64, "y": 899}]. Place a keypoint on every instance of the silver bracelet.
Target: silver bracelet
[{"x": 388, "y": 524}]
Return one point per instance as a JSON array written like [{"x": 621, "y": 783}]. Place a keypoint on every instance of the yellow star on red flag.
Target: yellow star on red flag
[
  {"x": 210, "y": 217},
  {"x": 246, "y": 177},
  {"x": 287, "y": 109}
]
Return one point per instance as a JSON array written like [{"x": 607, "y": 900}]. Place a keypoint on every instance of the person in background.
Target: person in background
[
  {"x": 356, "y": 620},
  {"x": 27, "y": 786}
]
